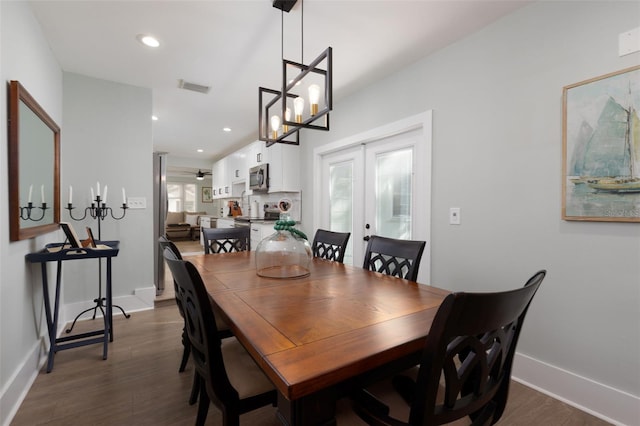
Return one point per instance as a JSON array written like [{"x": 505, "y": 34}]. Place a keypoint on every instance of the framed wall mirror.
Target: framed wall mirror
[{"x": 34, "y": 167}]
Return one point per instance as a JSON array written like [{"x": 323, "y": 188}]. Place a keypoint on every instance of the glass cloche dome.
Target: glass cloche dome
[{"x": 284, "y": 254}]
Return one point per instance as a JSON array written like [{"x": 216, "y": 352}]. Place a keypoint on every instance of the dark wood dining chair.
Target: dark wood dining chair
[
  {"x": 330, "y": 245},
  {"x": 223, "y": 329},
  {"x": 470, "y": 346},
  {"x": 226, "y": 240},
  {"x": 398, "y": 258},
  {"x": 228, "y": 375},
  {"x": 164, "y": 243}
]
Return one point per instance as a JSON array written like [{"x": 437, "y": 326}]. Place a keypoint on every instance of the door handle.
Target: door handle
[{"x": 366, "y": 238}]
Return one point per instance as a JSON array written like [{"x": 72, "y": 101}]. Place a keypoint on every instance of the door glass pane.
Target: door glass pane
[
  {"x": 393, "y": 193},
  {"x": 341, "y": 202}
]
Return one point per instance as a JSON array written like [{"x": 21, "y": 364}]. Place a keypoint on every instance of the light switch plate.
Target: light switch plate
[
  {"x": 454, "y": 216},
  {"x": 137, "y": 202},
  {"x": 629, "y": 42}
]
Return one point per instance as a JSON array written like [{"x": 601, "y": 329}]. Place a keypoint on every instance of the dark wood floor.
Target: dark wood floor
[{"x": 139, "y": 384}]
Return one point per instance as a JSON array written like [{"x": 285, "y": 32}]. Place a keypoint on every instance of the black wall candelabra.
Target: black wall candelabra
[
  {"x": 26, "y": 212},
  {"x": 100, "y": 211}
]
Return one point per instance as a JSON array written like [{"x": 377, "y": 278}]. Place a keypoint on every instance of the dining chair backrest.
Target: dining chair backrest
[
  {"x": 226, "y": 240},
  {"x": 223, "y": 328},
  {"x": 201, "y": 323},
  {"x": 399, "y": 258},
  {"x": 330, "y": 245},
  {"x": 468, "y": 356},
  {"x": 206, "y": 345},
  {"x": 165, "y": 243}
]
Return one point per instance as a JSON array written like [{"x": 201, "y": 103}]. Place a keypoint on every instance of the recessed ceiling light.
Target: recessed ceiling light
[
  {"x": 200, "y": 150},
  {"x": 154, "y": 118},
  {"x": 148, "y": 40},
  {"x": 227, "y": 129}
]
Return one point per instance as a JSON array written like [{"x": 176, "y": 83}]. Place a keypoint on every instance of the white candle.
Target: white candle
[
  {"x": 42, "y": 193},
  {"x": 104, "y": 200},
  {"x": 124, "y": 197},
  {"x": 30, "y": 192},
  {"x": 70, "y": 194},
  {"x": 98, "y": 189},
  {"x": 93, "y": 197}
]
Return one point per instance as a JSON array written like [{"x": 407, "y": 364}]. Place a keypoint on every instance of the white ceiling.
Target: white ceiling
[{"x": 234, "y": 46}]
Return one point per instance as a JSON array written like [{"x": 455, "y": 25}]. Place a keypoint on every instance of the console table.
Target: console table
[{"x": 59, "y": 253}]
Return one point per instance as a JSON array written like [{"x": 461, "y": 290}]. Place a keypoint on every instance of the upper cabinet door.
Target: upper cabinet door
[
  {"x": 284, "y": 168},
  {"x": 237, "y": 166},
  {"x": 255, "y": 154}
]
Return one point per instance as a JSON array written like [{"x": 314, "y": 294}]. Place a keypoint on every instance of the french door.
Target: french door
[{"x": 378, "y": 186}]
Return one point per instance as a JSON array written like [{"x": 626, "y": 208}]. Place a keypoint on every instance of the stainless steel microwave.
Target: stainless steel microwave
[{"x": 259, "y": 178}]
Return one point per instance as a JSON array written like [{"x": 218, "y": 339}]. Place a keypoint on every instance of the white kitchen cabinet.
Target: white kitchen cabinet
[
  {"x": 237, "y": 166},
  {"x": 284, "y": 167},
  {"x": 256, "y": 235},
  {"x": 206, "y": 222},
  {"x": 219, "y": 181},
  {"x": 255, "y": 153},
  {"x": 227, "y": 172},
  {"x": 223, "y": 222},
  {"x": 259, "y": 231}
]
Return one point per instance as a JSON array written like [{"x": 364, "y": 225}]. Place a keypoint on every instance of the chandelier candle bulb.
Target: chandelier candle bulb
[
  {"x": 275, "y": 125},
  {"x": 298, "y": 106},
  {"x": 42, "y": 193},
  {"x": 314, "y": 97},
  {"x": 124, "y": 197},
  {"x": 104, "y": 201},
  {"x": 98, "y": 189},
  {"x": 70, "y": 194},
  {"x": 287, "y": 117},
  {"x": 30, "y": 192}
]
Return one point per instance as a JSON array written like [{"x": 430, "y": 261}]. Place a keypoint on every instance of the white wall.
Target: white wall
[
  {"x": 25, "y": 56},
  {"x": 497, "y": 154},
  {"x": 107, "y": 138}
]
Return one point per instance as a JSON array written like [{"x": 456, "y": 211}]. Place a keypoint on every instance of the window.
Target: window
[{"x": 182, "y": 197}]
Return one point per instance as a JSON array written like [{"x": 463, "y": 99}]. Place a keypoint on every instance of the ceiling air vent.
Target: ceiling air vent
[{"x": 193, "y": 87}]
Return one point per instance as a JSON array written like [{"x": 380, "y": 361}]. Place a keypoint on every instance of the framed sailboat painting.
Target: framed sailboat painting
[{"x": 601, "y": 148}]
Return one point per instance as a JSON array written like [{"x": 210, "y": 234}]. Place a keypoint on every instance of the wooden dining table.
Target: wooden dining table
[{"x": 320, "y": 336}]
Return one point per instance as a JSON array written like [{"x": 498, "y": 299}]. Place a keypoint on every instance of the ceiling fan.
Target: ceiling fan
[{"x": 200, "y": 175}]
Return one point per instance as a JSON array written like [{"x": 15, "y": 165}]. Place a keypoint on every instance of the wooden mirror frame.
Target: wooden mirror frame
[{"x": 17, "y": 94}]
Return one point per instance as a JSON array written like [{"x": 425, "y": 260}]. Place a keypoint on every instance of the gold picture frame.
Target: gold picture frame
[{"x": 601, "y": 148}]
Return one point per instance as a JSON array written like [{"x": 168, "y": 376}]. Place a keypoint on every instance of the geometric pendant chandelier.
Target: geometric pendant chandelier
[{"x": 304, "y": 100}]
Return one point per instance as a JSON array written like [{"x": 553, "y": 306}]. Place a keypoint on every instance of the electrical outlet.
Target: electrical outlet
[
  {"x": 454, "y": 216},
  {"x": 137, "y": 202}
]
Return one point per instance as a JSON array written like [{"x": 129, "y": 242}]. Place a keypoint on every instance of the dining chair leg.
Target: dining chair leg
[
  {"x": 195, "y": 389},
  {"x": 203, "y": 407},
  {"x": 230, "y": 418}
]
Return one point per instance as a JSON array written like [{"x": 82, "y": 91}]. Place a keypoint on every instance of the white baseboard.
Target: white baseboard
[
  {"x": 18, "y": 386},
  {"x": 609, "y": 404}
]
